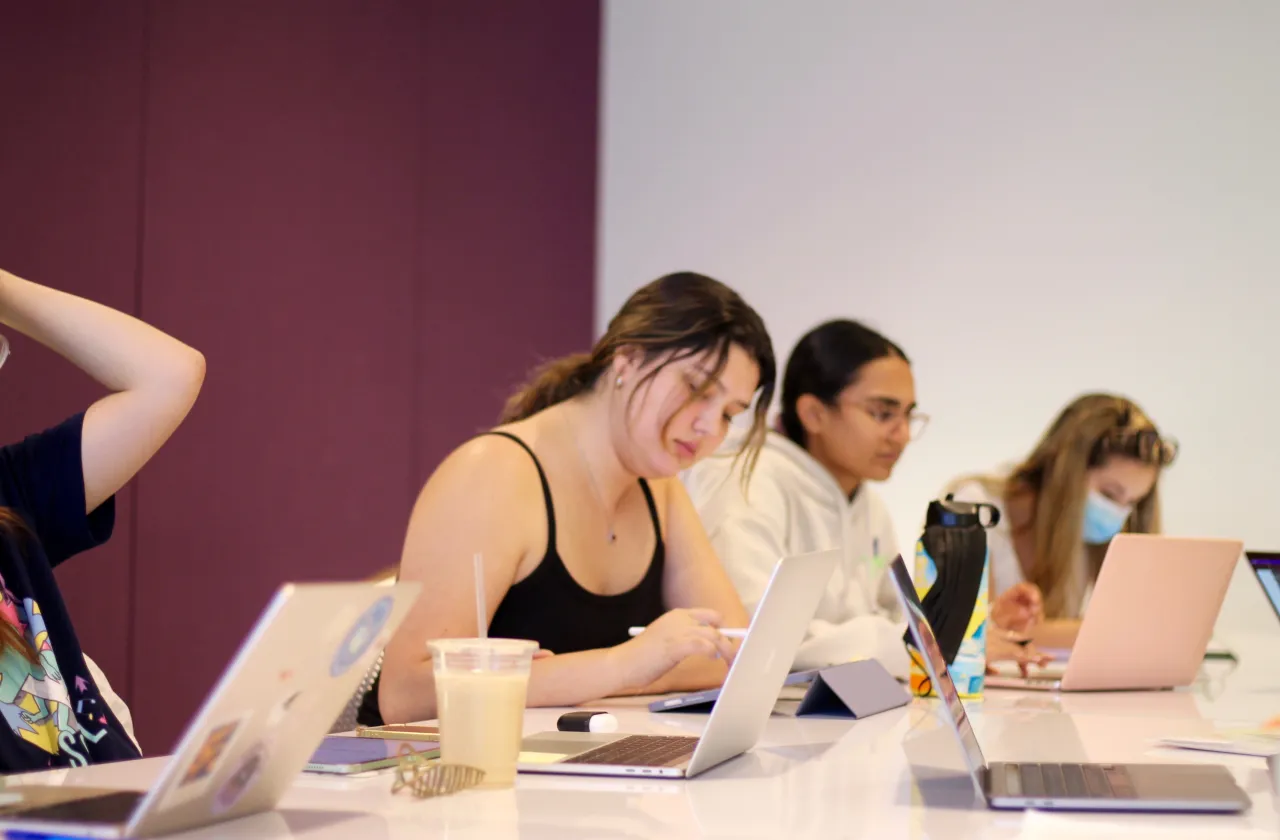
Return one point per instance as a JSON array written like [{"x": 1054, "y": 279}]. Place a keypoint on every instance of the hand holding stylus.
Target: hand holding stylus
[{"x": 727, "y": 632}]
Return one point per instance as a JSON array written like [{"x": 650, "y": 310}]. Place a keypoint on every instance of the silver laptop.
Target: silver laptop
[
  {"x": 281, "y": 693},
  {"x": 739, "y": 716},
  {"x": 1064, "y": 787},
  {"x": 1127, "y": 640}
]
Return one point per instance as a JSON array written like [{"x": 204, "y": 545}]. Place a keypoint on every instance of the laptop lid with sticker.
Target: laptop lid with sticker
[{"x": 275, "y": 702}]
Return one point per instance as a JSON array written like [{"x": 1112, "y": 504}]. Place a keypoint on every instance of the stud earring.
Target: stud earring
[{"x": 618, "y": 382}]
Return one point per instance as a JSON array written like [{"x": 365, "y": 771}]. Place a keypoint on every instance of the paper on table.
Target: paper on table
[
  {"x": 1256, "y": 747},
  {"x": 1044, "y": 825},
  {"x": 1267, "y": 729},
  {"x": 1262, "y": 740}
]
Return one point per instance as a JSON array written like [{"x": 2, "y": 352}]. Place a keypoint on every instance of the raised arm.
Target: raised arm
[
  {"x": 486, "y": 498},
  {"x": 154, "y": 378}
]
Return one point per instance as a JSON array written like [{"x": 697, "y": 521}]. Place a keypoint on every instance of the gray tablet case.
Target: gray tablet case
[
  {"x": 853, "y": 689},
  {"x": 702, "y": 701}
]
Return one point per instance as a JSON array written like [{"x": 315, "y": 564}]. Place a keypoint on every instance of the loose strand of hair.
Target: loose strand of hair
[{"x": 11, "y": 637}]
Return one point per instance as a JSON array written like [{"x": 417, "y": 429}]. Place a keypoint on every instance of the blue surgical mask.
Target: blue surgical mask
[{"x": 1103, "y": 518}]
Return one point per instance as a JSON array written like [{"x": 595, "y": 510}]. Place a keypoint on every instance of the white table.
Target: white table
[{"x": 812, "y": 777}]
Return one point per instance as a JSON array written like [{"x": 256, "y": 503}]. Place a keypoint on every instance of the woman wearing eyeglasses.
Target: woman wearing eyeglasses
[
  {"x": 848, "y": 412},
  {"x": 1094, "y": 474}
]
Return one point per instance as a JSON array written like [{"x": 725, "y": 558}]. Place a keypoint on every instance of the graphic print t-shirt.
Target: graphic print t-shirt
[{"x": 54, "y": 715}]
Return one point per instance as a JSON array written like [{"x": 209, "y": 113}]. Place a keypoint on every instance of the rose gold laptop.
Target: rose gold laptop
[{"x": 1149, "y": 619}]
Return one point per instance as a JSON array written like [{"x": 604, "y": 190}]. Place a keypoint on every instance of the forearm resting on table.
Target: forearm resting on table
[
  {"x": 693, "y": 674},
  {"x": 407, "y": 692},
  {"x": 564, "y": 680},
  {"x": 572, "y": 678}
]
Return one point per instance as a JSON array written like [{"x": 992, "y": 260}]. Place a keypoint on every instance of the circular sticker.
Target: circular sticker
[
  {"x": 360, "y": 636},
  {"x": 241, "y": 780}
]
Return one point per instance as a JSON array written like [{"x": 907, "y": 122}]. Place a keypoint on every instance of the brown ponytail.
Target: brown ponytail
[
  {"x": 10, "y": 523},
  {"x": 11, "y": 636},
  {"x": 553, "y": 382},
  {"x": 672, "y": 318}
]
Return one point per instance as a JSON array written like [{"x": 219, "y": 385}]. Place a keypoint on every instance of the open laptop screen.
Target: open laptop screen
[
  {"x": 935, "y": 665},
  {"x": 1266, "y": 565}
]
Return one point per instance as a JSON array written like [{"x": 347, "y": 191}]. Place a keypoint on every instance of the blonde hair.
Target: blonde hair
[{"x": 1086, "y": 434}]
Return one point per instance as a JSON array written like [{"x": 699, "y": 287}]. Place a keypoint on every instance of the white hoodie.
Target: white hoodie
[{"x": 793, "y": 505}]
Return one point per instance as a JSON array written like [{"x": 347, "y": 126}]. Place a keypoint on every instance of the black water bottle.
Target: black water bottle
[{"x": 951, "y": 579}]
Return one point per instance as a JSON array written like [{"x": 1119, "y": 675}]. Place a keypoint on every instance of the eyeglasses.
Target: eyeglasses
[{"x": 891, "y": 416}]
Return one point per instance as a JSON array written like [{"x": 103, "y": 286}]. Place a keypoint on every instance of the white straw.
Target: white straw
[{"x": 482, "y": 615}]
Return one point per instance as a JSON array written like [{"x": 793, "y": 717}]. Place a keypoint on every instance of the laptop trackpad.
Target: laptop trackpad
[
  {"x": 1192, "y": 782},
  {"x": 549, "y": 747}
]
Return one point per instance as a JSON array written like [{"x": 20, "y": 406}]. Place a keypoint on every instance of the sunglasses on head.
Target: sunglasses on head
[{"x": 1146, "y": 445}]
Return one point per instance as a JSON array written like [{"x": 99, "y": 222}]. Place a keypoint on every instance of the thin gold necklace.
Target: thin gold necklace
[{"x": 595, "y": 488}]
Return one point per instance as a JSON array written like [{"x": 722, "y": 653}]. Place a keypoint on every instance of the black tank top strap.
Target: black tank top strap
[
  {"x": 653, "y": 510},
  {"x": 552, "y": 608},
  {"x": 546, "y": 488}
]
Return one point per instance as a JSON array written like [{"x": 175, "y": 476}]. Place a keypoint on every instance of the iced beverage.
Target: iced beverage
[{"x": 481, "y": 686}]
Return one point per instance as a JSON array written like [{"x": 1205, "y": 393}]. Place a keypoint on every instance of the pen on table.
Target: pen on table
[{"x": 727, "y": 632}]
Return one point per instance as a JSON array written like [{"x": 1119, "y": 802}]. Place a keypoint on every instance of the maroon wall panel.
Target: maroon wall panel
[
  {"x": 282, "y": 192},
  {"x": 509, "y": 211},
  {"x": 71, "y": 82},
  {"x": 372, "y": 218}
]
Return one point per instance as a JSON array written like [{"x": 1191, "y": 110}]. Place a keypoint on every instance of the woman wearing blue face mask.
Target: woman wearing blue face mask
[{"x": 1094, "y": 474}]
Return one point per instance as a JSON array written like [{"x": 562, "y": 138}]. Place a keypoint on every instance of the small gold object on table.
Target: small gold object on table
[{"x": 427, "y": 777}]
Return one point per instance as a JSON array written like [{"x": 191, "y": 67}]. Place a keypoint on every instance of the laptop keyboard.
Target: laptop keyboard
[
  {"x": 110, "y": 809},
  {"x": 1074, "y": 781},
  {"x": 640, "y": 751}
]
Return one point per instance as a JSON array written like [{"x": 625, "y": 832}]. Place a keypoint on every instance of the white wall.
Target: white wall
[{"x": 1033, "y": 200}]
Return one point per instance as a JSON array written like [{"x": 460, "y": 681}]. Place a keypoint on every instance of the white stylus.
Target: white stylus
[{"x": 727, "y": 632}]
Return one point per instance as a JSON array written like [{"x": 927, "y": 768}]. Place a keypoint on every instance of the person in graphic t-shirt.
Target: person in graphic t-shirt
[{"x": 57, "y": 499}]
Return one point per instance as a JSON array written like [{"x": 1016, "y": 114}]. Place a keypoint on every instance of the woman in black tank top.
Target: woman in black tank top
[
  {"x": 590, "y": 620},
  {"x": 575, "y": 508}
]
